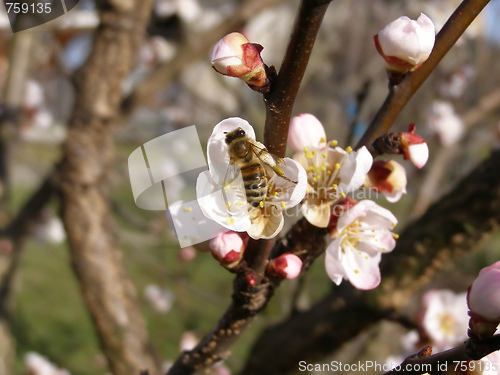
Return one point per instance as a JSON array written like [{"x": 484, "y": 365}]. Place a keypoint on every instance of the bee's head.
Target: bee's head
[{"x": 234, "y": 134}]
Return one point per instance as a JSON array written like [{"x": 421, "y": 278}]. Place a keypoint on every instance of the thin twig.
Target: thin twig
[{"x": 400, "y": 94}]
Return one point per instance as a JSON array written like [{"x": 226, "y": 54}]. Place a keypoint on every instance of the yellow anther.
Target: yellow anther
[
  {"x": 306, "y": 150},
  {"x": 395, "y": 236},
  {"x": 335, "y": 186},
  {"x": 324, "y": 154},
  {"x": 314, "y": 152},
  {"x": 333, "y": 143},
  {"x": 261, "y": 204},
  {"x": 308, "y": 155},
  {"x": 342, "y": 195},
  {"x": 328, "y": 172},
  {"x": 337, "y": 166},
  {"x": 356, "y": 271},
  {"x": 308, "y": 189},
  {"x": 314, "y": 179},
  {"x": 276, "y": 194},
  {"x": 348, "y": 149},
  {"x": 283, "y": 204},
  {"x": 322, "y": 140},
  {"x": 229, "y": 221},
  {"x": 228, "y": 205}
]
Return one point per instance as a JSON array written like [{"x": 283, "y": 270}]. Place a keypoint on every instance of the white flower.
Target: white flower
[
  {"x": 226, "y": 203},
  {"x": 444, "y": 121},
  {"x": 363, "y": 233},
  {"x": 405, "y": 44},
  {"x": 445, "y": 317},
  {"x": 161, "y": 300},
  {"x": 331, "y": 174}
]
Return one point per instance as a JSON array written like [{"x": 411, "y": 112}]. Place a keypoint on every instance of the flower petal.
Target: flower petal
[
  {"x": 213, "y": 204},
  {"x": 317, "y": 213}
]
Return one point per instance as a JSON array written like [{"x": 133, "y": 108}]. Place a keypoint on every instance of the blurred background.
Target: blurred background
[{"x": 184, "y": 291}]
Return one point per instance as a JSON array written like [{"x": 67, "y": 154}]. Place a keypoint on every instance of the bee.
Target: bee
[{"x": 256, "y": 164}]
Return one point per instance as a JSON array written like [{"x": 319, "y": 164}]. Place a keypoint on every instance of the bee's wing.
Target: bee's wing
[
  {"x": 232, "y": 173},
  {"x": 272, "y": 162}
]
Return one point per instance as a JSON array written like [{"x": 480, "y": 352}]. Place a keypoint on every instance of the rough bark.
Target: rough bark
[{"x": 88, "y": 154}]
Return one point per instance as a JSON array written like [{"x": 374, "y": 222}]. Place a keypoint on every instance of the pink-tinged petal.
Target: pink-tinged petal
[
  {"x": 333, "y": 266},
  {"x": 354, "y": 212},
  {"x": 227, "y": 52},
  {"x": 362, "y": 270},
  {"x": 484, "y": 293},
  {"x": 426, "y": 36},
  {"x": 408, "y": 40},
  {"x": 305, "y": 131},
  {"x": 418, "y": 154}
]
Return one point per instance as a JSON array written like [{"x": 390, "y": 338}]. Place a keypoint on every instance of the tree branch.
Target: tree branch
[
  {"x": 456, "y": 224},
  {"x": 400, "y": 94},
  {"x": 87, "y": 162},
  {"x": 280, "y": 100}
]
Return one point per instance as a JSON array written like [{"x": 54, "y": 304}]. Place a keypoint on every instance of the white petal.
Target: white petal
[
  {"x": 362, "y": 270},
  {"x": 213, "y": 203},
  {"x": 354, "y": 170},
  {"x": 217, "y": 154},
  {"x": 292, "y": 193},
  {"x": 419, "y": 153},
  {"x": 333, "y": 266}
]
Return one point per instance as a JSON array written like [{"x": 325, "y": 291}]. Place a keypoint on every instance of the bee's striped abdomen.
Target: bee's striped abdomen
[{"x": 255, "y": 180}]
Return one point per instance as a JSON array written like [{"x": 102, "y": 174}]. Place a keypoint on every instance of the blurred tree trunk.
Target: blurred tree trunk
[{"x": 84, "y": 180}]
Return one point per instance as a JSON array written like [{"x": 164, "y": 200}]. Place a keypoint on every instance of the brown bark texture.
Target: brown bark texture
[{"x": 88, "y": 155}]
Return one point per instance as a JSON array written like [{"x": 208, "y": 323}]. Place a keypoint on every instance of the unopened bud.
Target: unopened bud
[
  {"x": 228, "y": 249},
  {"x": 235, "y": 56},
  {"x": 405, "y": 44},
  {"x": 387, "y": 177},
  {"x": 414, "y": 147},
  {"x": 483, "y": 298},
  {"x": 286, "y": 266}
]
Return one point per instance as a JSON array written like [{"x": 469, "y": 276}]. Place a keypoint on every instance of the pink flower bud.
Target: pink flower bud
[
  {"x": 228, "y": 249},
  {"x": 235, "y": 56},
  {"x": 483, "y": 298},
  {"x": 405, "y": 44},
  {"x": 414, "y": 147},
  {"x": 286, "y": 266},
  {"x": 387, "y": 177},
  {"x": 306, "y": 131}
]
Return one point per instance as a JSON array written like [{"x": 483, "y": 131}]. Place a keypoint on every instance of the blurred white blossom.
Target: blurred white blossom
[
  {"x": 161, "y": 300},
  {"x": 444, "y": 121}
]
